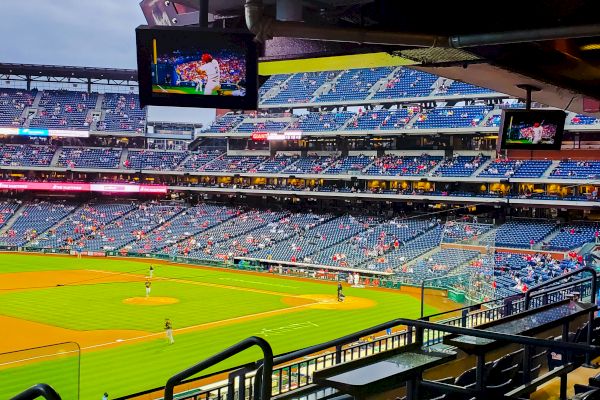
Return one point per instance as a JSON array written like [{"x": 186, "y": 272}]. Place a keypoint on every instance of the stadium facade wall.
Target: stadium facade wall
[
  {"x": 575, "y": 154},
  {"x": 416, "y": 290},
  {"x": 555, "y": 254}
]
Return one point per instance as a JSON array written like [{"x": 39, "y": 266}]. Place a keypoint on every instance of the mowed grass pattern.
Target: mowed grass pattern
[
  {"x": 141, "y": 365},
  {"x": 90, "y": 307}
]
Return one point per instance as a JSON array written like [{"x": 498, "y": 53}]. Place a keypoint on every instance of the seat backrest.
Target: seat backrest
[
  {"x": 535, "y": 366},
  {"x": 581, "y": 335},
  {"x": 589, "y": 395},
  {"x": 466, "y": 378},
  {"x": 504, "y": 369}
]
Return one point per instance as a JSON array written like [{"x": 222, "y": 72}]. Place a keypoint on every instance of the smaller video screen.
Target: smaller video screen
[{"x": 532, "y": 129}]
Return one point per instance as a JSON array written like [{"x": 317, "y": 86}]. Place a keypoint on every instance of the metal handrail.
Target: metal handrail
[
  {"x": 339, "y": 343},
  {"x": 419, "y": 324},
  {"x": 39, "y": 390},
  {"x": 562, "y": 286},
  {"x": 560, "y": 278},
  {"x": 264, "y": 379}
]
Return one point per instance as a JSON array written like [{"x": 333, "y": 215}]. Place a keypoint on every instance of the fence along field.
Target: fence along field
[{"x": 100, "y": 304}]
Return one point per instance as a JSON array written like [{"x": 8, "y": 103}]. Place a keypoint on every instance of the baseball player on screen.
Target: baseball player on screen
[
  {"x": 538, "y": 131},
  {"x": 210, "y": 69}
]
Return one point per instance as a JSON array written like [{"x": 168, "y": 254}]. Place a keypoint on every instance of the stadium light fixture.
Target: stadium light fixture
[{"x": 591, "y": 46}]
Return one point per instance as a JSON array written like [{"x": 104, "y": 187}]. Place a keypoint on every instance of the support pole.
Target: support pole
[
  {"x": 528, "y": 90},
  {"x": 203, "y": 14}
]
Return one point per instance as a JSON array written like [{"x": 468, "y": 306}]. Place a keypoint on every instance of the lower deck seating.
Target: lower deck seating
[
  {"x": 408, "y": 248},
  {"x": 33, "y": 219},
  {"x": 523, "y": 234}
]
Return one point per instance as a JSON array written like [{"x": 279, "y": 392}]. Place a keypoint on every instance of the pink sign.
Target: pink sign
[{"x": 82, "y": 187}]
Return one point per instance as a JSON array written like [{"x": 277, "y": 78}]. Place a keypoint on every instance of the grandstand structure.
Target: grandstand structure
[
  {"x": 408, "y": 136},
  {"x": 499, "y": 260},
  {"x": 368, "y": 136},
  {"x": 389, "y": 172}
]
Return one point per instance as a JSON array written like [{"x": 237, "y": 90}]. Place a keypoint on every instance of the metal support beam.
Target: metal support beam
[
  {"x": 531, "y": 35},
  {"x": 203, "y": 14}
]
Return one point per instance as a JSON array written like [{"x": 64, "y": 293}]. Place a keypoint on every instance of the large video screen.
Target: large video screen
[
  {"x": 192, "y": 67},
  {"x": 532, "y": 129}
]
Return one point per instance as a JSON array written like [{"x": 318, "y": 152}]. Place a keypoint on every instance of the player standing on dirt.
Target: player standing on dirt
[{"x": 148, "y": 287}]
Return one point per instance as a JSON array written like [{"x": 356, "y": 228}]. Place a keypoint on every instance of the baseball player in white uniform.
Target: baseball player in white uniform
[
  {"x": 209, "y": 68},
  {"x": 538, "y": 130},
  {"x": 169, "y": 330}
]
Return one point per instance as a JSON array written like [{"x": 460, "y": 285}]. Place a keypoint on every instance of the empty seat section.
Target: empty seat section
[
  {"x": 234, "y": 164},
  {"x": 154, "y": 159},
  {"x": 520, "y": 233},
  {"x": 403, "y": 165},
  {"x": 452, "y": 117},
  {"x": 301, "y": 87},
  {"x": 354, "y": 84},
  {"x": 348, "y": 164},
  {"x": 122, "y": 112},
  {"x": 12, "y": 104},
  {"x": 33, "y": 219},
  {"x": 62, "y": 109},
  {"x": 89, "y": 157},
  {"x": 406, "y": 82},
  {"x": 576, "y": 169},
  {"x": 320, "y": 122},
  {"x": 23, "y": 155},
  {"x": 225, "y": 123}
]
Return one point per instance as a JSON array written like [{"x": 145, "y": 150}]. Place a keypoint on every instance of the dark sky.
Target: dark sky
[{"x": 91, "y": 33}]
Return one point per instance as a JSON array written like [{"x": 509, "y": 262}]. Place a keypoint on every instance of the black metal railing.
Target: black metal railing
[
  {"x": 262, "y": 385},
  {"x": 39, "y": 390},
  {"x": 593, "y": 291},
  {"x": 554, "y": 280},
  {"x": 294, "y": 374}
]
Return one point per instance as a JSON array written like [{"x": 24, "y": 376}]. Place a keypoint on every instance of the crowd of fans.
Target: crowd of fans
[{"x": 232, "y": 66}]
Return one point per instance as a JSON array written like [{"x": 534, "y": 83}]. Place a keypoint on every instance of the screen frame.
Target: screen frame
[
  {"x": 554, "y": 115},
  {"x": 145, "y": 34}
]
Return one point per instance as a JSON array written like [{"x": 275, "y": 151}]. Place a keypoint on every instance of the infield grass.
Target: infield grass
[{"x": 205, "y": 296}]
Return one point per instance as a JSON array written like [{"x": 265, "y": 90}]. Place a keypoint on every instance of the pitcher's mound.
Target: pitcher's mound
[{"x": 151, "y": 301}]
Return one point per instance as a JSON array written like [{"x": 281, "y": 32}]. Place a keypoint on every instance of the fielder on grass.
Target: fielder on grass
[{"x": 169, "y": 330}]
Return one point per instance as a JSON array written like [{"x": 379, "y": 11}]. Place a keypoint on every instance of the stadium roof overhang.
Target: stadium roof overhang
[
  {"x": 552, "y": 44},
  {"x": 57, "y": 71}
]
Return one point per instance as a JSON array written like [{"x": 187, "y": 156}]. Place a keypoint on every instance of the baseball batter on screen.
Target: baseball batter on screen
[{"x": 210, "y": 70}]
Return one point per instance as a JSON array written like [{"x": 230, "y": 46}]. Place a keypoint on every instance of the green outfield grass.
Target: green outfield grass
[
  {"x": 142, "y": 365},
  {"x": 176, "y": 89}
]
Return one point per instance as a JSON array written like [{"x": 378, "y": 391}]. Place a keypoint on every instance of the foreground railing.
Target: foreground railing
[
  {"x": 294, "y": 370},
  {"x": 262, "y": 381},
  {"x": 298, "y": 374},
  {"x": 419, "y": 327},
  {"x": 39, "y": 390}
]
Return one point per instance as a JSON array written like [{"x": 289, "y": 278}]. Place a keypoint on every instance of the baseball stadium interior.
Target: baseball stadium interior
[{"x": 417, "y": 188}]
